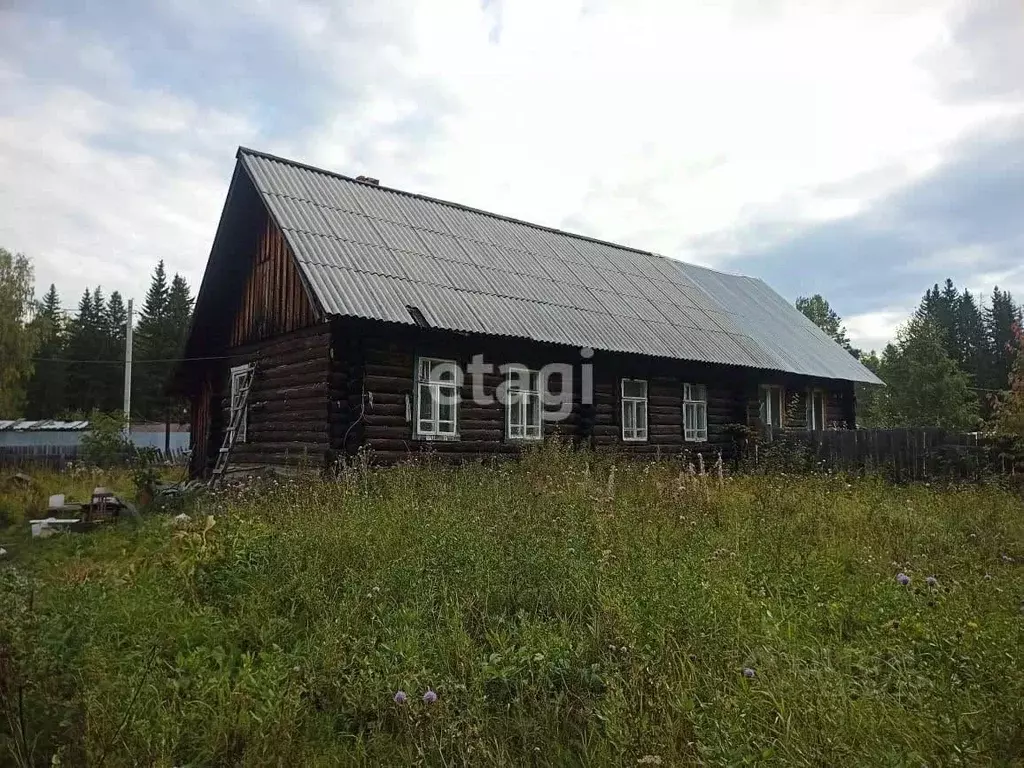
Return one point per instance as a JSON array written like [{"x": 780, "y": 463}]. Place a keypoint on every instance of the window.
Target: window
[
  {"x": 522, "y": 405},
  {"x": 695, "y": 413},
  {"x": 816, "y": 410},
  {"x": 634, "y": 409},
  {"x": 238, "y": 376},
  {"x": 772, "y": 406},
  {"x": 437, "y": 398}
]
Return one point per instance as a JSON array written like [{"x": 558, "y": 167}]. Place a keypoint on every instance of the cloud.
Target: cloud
[
  {"x": 90, "y": 198},
  {"x": 962, "y": 221},
  {"x": 118, "y": 149},
  {"x": 873, "y": 330},
  {"x": 778, "y": 138}
]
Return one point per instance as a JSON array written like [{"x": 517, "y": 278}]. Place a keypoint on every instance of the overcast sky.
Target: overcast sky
[{"x": 862, "y": 150}]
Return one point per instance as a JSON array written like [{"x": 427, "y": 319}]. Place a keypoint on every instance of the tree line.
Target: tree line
[
  {"x": 60, "y": 364},
  {"x": 955, "y": 363}
]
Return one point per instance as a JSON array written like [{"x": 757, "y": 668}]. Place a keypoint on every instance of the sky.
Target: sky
[{"x": 861, "y": 149}]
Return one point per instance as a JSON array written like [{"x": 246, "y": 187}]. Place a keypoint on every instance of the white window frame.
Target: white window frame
[
  {"x": 517, "y": 400},
  {"x": 695, "y": 413},
  {"x": 436, "y": 430},
  {"x": 813, "y": 422},
  {"x": 238, "y": 374},
  {"x": 638, "y": 433},
  {"x": 768, "y": 400}
]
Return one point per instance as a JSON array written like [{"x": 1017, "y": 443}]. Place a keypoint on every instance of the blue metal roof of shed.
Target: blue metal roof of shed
[
  {"x": 41, "y": 425},
  {"x": 371, "y": 252}
]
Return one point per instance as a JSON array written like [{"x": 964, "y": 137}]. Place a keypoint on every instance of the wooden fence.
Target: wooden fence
[
  {"x": 902, "y": 454},
  {"x": 59, "y": 456}
]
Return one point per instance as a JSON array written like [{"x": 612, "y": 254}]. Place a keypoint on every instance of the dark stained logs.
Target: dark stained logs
[
  {"x": 384, "y": 357},
  {"x": 288, "y": 404}
]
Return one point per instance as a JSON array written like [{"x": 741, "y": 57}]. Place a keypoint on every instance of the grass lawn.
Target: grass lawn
[{"x": 567, "y": 610}]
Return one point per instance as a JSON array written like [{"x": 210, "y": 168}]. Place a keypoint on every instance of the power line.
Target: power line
[{"x": 134, "y": 361}]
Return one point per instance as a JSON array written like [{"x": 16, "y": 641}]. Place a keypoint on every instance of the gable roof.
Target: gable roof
[{"x": 372, "y": 252}]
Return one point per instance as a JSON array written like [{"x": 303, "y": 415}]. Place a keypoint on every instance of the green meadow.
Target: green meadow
[{"x": 568, "y": 609}]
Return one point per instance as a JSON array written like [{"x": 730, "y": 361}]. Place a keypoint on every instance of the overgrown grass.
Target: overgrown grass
[{"x": 565, "y": 613}]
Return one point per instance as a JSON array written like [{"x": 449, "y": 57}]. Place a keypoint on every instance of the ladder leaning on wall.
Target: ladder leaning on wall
[{"x": 239, "y": 406}]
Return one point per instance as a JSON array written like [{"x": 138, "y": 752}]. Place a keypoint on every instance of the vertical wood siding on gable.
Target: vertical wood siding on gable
[{"x": 274, "y": 300}]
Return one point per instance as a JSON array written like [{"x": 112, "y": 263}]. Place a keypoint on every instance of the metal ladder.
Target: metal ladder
[{"x": 239, "y": 405}]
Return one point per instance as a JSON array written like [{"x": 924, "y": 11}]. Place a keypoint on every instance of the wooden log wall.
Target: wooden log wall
[
  {"x": 372, "y": 381},
  {"x": 839, "y": 400},
  {"x": 201, "y": 425},
  {"x": 376, "y": 411},
  {"x": 347, "y": 401},
  {"x": 274, "y": 299},
  {"x": 289, "y": 414},
  {"x": 726, "y": 405}
]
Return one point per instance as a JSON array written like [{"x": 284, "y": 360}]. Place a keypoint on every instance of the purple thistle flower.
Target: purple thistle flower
[
  {"x": 400, "y": 697},
  {"x": 748, "y": 673},
  {"x": 931, "y": 581},
  {"x": 902, "y": 578},
  {"x": 429, "y": 697}
]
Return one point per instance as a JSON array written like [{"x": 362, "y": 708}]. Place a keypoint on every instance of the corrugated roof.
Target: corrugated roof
[
  {"x": 371, "y": 252},
  {"x": 42, "y": 425}
]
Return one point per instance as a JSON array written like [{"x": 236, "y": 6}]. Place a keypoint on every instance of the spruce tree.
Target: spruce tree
[
  {"x": 939, "y": 308},
  {"x": 46, "y": 387},
  {"x": 179, "y": 317},
  {"x": 950, "y": 304},
  {"x": 151, "y": 345},
  {"x": 115, "y": 318},
  {"x": 82, "y": 349},
  {"x": 970, "y": 329},
  {"x": 1000, "y": 318},
  {"x": 179, "y": 313}
]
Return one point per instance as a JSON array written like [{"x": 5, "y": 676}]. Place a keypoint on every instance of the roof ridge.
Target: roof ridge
[
  {"x": 449, "y": 203},
  {"x": 712, "y": 269}
]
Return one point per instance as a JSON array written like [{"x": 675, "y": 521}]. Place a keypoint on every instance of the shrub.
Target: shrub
[{"x": 105, "y": 444}]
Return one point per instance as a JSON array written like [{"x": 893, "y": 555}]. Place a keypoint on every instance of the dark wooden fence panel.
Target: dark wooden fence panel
[
  {"x": 59, "y": 456},
  {"x": 903, "y": 454}
]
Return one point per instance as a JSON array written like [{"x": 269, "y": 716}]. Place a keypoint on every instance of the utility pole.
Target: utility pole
[{"x": 128, "y": 374}]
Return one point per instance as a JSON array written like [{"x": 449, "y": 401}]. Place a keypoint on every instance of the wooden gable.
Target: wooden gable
[{"x": 274, "y": 299}]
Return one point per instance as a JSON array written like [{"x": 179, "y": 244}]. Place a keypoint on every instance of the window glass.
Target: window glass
[
  {"x": 437, "y": 398},
  {"x": 772, "y": 405},
  {"x": 634, "y": 409},
  {"x": 634, "y": 388},
  {"x": 816, "y": 411},
  {"x": 523, "y": 401},
  {"x": 238, "y": 375},
  {"x": 695, "y": 427}
]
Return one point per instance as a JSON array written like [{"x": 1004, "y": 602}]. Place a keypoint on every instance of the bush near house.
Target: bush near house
[{"x": 568, "y": 609}]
